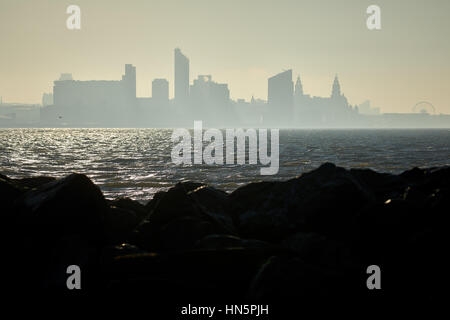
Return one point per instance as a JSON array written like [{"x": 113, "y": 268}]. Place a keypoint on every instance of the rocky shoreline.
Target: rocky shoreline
[{"x": 308, "y": 238}]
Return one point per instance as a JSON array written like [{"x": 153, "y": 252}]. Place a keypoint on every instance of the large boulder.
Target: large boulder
[
  {"x": 119, "y": 225},
  {"x": 183, "y": 233},
  {"x": 32, "y": 182},
  {"x": 9, "y": 192},
  {"x": 12, "y": 189},
  {"x": 324, "y": 200},
  {"x": 249, "y": 196},
  {"x": 54, "y": 225},
  {"x": 383, "y": 185},
  {"x": 173, "y": 203},
  {"x": 139, "y": 210},
  {"x": 71, "y": 205},
  {"x": 214, "y": 204},
  {"x": 124, "y": 215},
  {"x": 385, "y": 228},
  {"x": 183, "y": 215}
]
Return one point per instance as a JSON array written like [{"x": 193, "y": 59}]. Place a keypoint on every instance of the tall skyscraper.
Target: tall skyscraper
[
  {"x": 160, "y": 90},
  {"x": 181, "y": 77},
  {"x": 129, "y": 78},
  {"x": 281, "y": 96}
]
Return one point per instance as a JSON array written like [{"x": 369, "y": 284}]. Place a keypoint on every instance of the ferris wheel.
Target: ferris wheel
[{"x": 424, "y": 107}]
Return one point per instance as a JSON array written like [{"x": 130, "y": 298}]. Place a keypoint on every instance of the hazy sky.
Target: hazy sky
[{"x": 239, "y": 42}]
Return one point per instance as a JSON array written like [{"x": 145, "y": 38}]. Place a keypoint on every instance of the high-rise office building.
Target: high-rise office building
[
  {"x": 160, "y": 90},
  {"x": 129, "y": 79},
  {"x": 181, "y": 83},
  {"x": 204, "y": 91},
  {"x": 95, "y": 102},
  {"x": 281, "y": 96}
]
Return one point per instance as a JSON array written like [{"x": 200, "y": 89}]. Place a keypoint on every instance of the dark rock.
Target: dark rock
[
  {"x": 438, "y": 204},
  {"x": 136, "y": 207},
  {"x": 189, "y": 186},
  {"x": 413, "y": 175},
  {"x": 214, "y": 204},
  {"x": 290, "y": 280},
  {"x": 183, "y": 215},
  {"x": 439, "y": 177},
  {"x": 9, "y": 192},
  {"x": 325, "y": 200},
  {"x": 383, "y": 229},
  {"x": 150, "y": 206},
  {"x": 310, "y": 238},
  {"x": 68, "y": 250},
  {"x": 56, "y": 224},
  {"x": 111, "y": 253},
  {"x": 183, "y": 233},
  {"x": 124, "y": 249},
  {"x": 11, "y": 189},
  {"x": 426, "y": 182},
  {"x": 147, "y": 236},
  {"x": 32, "y": 182},
  {"x": 208, "y": 275},
  {"x": 320, "y": 250},
  {"x": 123, "y": 217},
  {"x": 249, "y": 196},
  {"x": 174, "y": 204},
  {"x": 222, "y": 241},
  {"x": 71, "y": 205},
  {"x": 119, "y": 224},
  {"x": 383, "y": 185}
]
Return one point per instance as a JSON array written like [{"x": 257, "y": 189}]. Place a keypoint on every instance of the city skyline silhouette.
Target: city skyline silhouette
[
  {"x": 241, "y": 44},
  {"x": 114, "y": 103}
]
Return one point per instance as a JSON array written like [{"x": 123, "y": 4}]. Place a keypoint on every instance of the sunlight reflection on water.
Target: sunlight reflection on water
[{"x": 136, "y": 162}]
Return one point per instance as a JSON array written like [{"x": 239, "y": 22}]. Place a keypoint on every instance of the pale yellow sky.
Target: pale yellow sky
[{"x": 239, "y": 42}]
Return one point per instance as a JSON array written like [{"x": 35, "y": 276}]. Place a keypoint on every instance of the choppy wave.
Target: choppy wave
[{"x": 136, "y": 162}]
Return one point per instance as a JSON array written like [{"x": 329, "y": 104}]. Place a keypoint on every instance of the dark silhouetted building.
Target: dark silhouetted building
[
  {"x": 93, "y": 103},
  {"x": 160, "y": 91},
  {"x": 333, "y": 111},
  {"x": 181, "y": 84},
  {"x": 206, "y": 91},
  {"x": 210, "y": 101},
  {"x": 129, "y": 81},
  {"x": 336, "y": 90},
  {"x": 281, "y": 98}
]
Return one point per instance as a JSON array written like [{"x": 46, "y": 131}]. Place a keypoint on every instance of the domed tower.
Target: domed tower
[{"x": 336, "y": 88}]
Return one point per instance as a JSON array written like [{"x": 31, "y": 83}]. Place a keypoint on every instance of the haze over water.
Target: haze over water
[{"x": 137, "y": 162}]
